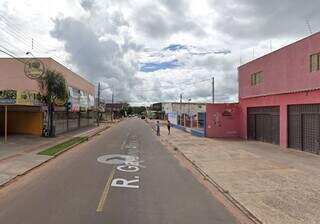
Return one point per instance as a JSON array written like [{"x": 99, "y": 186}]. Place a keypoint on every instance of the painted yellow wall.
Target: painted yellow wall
[{"x": 22, "y": 123}]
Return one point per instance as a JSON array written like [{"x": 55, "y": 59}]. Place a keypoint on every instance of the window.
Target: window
[
  {"x": 315, "y": 62},
  {"x": 256, "y": 78}
]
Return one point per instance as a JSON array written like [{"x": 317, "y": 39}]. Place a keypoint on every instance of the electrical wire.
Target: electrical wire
[
  {"x": 20, "y": 35},
  {"x": 11, "y": 55}
]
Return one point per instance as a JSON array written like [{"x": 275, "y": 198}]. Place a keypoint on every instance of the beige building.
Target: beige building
[{"x": 19, "y": 96}]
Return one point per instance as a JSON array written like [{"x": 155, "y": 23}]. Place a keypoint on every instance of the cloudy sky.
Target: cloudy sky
[{"x": 153, "y": 50}]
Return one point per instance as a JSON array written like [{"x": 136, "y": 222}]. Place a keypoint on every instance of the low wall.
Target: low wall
[{"x": 223, "y": 120}]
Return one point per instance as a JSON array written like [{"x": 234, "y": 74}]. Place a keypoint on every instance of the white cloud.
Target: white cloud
[{"x": 109, "y": 40}]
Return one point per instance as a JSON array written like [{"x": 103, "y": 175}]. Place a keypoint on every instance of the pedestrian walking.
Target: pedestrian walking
[
  {"x": 158, "y": 128},
  {"x": 169, "y": 126}
]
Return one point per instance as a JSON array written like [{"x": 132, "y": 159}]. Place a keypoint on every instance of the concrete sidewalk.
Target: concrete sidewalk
[
  {"x": 17, "y": 159},
  {"x": 275, "y": 185}
]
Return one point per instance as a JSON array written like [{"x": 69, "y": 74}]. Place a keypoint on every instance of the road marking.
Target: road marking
[
  {"x": 105, "y": 192},
  {"x": 117, "y": 159},
  {"x": 125, "y": 141},
  {"x": 120, "y": 182}
]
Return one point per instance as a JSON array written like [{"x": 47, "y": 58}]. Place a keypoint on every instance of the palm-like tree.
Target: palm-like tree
[{"x": 54, "y": 88}]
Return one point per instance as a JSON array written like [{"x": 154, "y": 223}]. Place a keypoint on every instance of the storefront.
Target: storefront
[
  {"x": 22, "y": 110},
  {"x": 20, "y": 113}
]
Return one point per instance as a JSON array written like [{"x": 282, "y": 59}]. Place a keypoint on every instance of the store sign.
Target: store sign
[
  {"x": 74, "y": 99},
  {"x": 14, "y": 97},
  {"x": 173, "y": 117},
  {"x": 30, "y": 98},
  {"x": 34, "y": 68},
  {"x": 8, "y": 96},
  {"x": 75, "y": 108},
  {"x": 60, "y": 102},
  {"x": 227, "y": 113},
  {"x": 83, "y": 101},
  {"x": 90, "y": 101},
  {"x": 80, "y": 100}
]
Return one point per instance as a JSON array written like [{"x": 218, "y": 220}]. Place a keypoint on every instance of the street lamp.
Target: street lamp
[{"x": 28, "y": 52}]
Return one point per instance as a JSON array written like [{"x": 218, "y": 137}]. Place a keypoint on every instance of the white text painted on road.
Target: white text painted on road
[
  {"x": 120, "y": 182},
  {"x": 129, "y": 163}
]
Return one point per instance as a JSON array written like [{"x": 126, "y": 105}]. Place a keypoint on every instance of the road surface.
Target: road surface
[{"x": 122, "y": 176}]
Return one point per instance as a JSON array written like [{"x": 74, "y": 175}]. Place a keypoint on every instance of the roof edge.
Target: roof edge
[{"x": 275, "y": 51}]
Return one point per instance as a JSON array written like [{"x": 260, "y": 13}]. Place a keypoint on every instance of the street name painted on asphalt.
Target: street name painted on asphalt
[{"x": 129, "y": 163}]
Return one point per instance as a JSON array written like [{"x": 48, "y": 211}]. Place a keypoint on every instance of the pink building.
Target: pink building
[
  {"x": 279, "y": 96},
  {"x": 21, "y": 111},
  {"x": 223, "y": 120}
]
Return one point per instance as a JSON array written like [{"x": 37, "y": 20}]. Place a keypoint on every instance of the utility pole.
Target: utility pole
[
  {"x": 112, "y": 99},
  {"x": 98, "y": 106},
  {"x": 180, "y": 108},
  {"x": 212, "y": 89}
]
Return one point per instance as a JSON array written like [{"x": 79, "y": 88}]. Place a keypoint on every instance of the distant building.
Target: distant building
[
  {"x": 183, "y": 114},
  {"x": 26, "y": 113},
  {"x": 113, "y": 110}
]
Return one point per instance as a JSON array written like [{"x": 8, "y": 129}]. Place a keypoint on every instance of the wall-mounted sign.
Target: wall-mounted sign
[
  {"x": 83, "y": 101},
  {"x": 91, "y": 101},
  {"x": 34, "y": 68},
  {"x": 75, "y": 108},
  {"x": 8, "y": 96},
  {"x": 227, "y": 112},
  {"x": 30, "y": 98},
  {"x": 14, "y": 97},
  {"x": 59, "y": 102},
  {"x": 173, "y": 117}
]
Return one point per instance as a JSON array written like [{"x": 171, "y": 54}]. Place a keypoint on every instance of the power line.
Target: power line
[
  {"x": 18, "y": 34},
  {"x": 10, "y": 54}
]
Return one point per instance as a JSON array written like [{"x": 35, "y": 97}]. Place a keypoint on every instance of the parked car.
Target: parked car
[{"x": 143, "y": 117}]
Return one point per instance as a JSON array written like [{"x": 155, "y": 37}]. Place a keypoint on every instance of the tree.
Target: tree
[
  {"x": 54, "y": 90},
  {"x": 129, "y": 110},
  {"x": 138, "y": 110}
]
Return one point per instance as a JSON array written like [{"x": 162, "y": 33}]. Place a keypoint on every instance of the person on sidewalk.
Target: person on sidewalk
[
  {"x": 169, "y": 126},
  {"x": 158, "y": 128}
]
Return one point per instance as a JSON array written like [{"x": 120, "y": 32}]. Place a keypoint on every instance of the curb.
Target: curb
[
  {"x": 224, "y": 192},
  {"x": 55, "y": 156},
  {"x": 86, "y": 138}
]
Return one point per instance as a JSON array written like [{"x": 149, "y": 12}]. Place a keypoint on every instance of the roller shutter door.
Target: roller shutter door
[
  {"x": 263, "y": 124},
  {"x": 304, "y": 127}
]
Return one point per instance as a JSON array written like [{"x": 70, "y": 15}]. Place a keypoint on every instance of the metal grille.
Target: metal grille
[
  {"x": 294, "y": 130},
  {"x": 310, "y": 128},
  {"x": 263, "y": 124},
  {"x": 304, "y": 127},
  {"x": 251, "y": 126}
]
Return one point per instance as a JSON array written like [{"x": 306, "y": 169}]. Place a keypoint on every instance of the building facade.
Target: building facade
[
  {"x": 183, "y": 114},
  {"x": 223, "y": 120},
  {"x": 279, "y": 96},
  {"x": 26, "y": 114}
]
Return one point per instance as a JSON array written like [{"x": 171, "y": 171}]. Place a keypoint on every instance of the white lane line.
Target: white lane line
[
  {"x": 125, "y": 141},
  {"x": 105, "y": 192}
]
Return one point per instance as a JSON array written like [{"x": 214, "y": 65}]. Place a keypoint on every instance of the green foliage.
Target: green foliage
[
  {"x": 138, "y": 110},
  {"x": 129, "y": 110},
  {"x": 63, "y": 146},
  {"x": 54, "y": 87}
]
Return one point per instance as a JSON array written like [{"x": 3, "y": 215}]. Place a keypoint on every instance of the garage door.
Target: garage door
[
  {"x": 263, "y": 124},
  {"x": 304, "y": 127}
]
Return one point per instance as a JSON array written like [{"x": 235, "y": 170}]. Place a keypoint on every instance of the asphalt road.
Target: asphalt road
[{"x": 150, "y": 187}]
